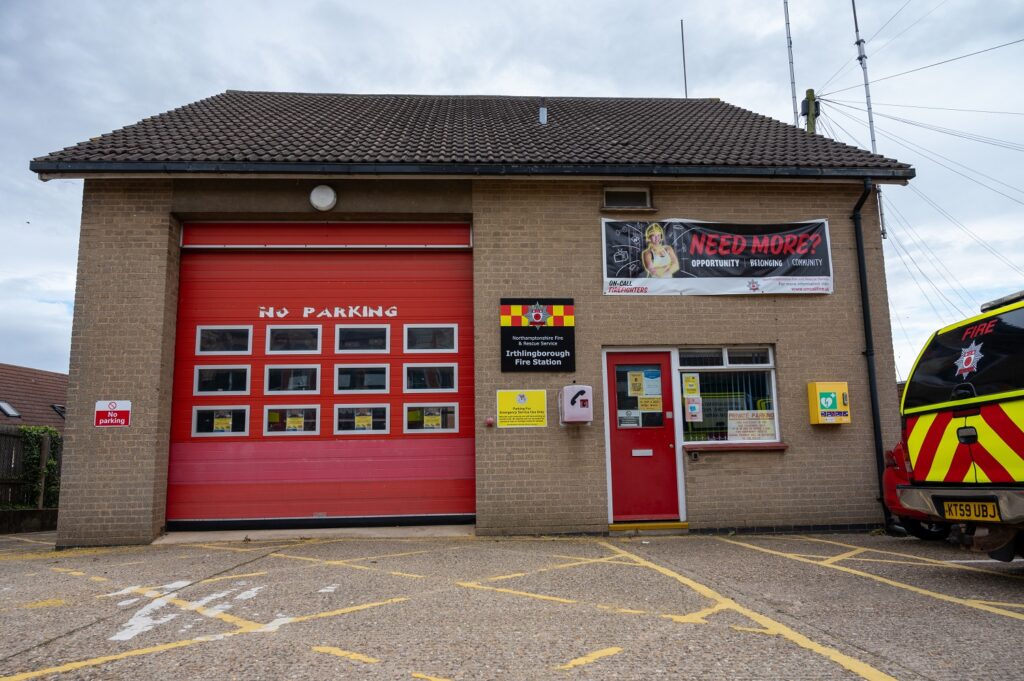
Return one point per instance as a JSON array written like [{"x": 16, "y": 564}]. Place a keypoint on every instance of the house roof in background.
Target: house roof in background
[
  {"x": 283, "y": 132},
  {"x": 33, "y": 392}
]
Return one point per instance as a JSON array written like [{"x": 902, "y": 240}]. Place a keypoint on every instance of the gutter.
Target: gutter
[
  {"x": 517, "y": 169},
  {"x": 869, "y": 345}
]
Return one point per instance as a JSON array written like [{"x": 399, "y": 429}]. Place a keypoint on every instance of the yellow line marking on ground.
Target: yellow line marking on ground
[
  {"x": 417, "y": 675},
  {"x": 345, "y": 611},
  {"x": 189, "y": 606},
  {"x": 540, "y": 597},
  {"x": 99, "y": 579},
  {"x": 623, "y": 611},
  {"x": 842, "y": 556},
  {"x": 345, "y": 563},
  {"x": 221, "y": 548},
  {"x": 96, "y": 661},
  {"x": 916, "y": 563},
  {"x": 751, "y": 630},
  {"x": 223, "y": 577},
  {"x": 347, "y": 654},
  {"x": 698, "y": 617},
  {"x": 854, "y": 665},
  {"x": 49, "y": 603},
  {"x": 30, "y": 541},
  {"x": 1005, "y": 605},
  {"x": 560, "y": 566},
  {"x": 922, "y": 559},
  {"x": 60, "y": 555},
  {"x": 885, "y": 580},
  {"x": 588, "y": 659}
]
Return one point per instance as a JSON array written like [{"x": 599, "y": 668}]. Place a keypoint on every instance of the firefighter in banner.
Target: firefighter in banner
[{"x": 660, "y": 260}]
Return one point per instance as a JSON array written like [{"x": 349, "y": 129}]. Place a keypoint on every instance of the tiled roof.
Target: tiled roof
[
  {"x": 33, "y": 392},
  {"x": 292, "y": 132}
]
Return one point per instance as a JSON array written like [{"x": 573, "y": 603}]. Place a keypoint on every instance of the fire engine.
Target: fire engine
[{"x": 963, "y": 430}]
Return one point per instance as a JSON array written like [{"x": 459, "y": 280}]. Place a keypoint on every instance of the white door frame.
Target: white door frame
[{"x": 677, "y": 420}]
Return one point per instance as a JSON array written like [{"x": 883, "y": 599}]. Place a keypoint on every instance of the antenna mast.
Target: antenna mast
[
  {"x": 863, "y": 59},
  {"x": 792, "y": 75},
  {"x": 682, "y": 35}
]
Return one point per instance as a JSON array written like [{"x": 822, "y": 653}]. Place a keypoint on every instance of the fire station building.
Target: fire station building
[{"x": 538, "y": 316}]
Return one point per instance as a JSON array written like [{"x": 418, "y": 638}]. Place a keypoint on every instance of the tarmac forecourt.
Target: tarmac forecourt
[{"x": 757, "y": 606}]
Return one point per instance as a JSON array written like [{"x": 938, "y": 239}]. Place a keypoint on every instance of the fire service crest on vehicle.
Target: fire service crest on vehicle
[{"x": 969, "y": 358}]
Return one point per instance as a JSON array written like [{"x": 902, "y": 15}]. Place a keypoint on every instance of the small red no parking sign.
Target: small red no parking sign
[{"x": 113, "y": 413}]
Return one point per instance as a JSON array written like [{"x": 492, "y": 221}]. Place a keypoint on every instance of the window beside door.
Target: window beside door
[{"x": 728, "y": 394}]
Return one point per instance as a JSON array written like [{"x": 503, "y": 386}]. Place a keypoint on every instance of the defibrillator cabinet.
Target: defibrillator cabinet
[{"x": 828, "y": 402}]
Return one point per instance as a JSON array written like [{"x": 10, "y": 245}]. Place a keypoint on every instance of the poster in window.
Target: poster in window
[
  {"x": 694, "y": 409},
  {"x": 295, "y": 421},
  {"x": 222, "y": 421},
  {"x": 364, "y": 419},
  {"x": 691, "y": 257},
  {"x": 432, "y": 418},
  {"x": 649, "y": 403},
  {"x": 691, "y": 385},
  {"x": 748, "y": 425},
  {"x": 652, "y": 383},
  {"x": 635, "y": 383}
]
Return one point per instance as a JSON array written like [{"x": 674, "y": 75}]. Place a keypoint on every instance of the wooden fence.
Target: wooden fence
[{"x": 15, "y": 490}]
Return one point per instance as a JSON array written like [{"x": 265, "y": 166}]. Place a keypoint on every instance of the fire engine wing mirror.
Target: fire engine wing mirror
[
  {"x": 968, "y": 435},
  {"x": 963, "y": 391}
]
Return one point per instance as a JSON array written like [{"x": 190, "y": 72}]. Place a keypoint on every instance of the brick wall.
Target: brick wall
[
  {"x": 534, "y": 239},
  {"x": 113, "y": 486}
]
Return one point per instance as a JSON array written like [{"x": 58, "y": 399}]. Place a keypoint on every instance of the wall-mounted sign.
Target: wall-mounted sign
[
  {"x": 113, "y": 414},
  {"x": 538, "y": 334},
  {"x": 522, "y": 408},
  {"x": 336, "y": 312},
  {"x": 688, "y": 257},
  {"x": 747, "y": 425}
]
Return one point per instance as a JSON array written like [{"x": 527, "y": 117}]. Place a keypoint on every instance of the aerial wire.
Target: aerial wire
[
  {"x": 933, "y": 108},
  {"x": 914, "y": 261},
  {"x": 929, "y": 66},
  {"x": 933, "y": 257}
]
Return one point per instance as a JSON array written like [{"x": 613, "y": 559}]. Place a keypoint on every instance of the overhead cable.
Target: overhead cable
[
  {"x": 928, "y": 66},
  {"x": 889, "y": 21},
  {"x": 947, "y": 275},
  {"x": 917, "y": 265},
  {"x": 920, "y": 288},
  {"x": 932, "y": 108},
  {"x": 907, "y": 144}
]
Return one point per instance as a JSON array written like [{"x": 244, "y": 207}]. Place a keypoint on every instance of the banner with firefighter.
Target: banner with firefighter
[{"x": 690, "y": 257}]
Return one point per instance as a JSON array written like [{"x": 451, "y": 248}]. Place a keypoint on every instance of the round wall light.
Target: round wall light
[{"x": 323, "y": 197}]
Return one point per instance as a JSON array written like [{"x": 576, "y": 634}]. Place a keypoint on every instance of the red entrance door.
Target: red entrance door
[{"x": 643, "y": 452}]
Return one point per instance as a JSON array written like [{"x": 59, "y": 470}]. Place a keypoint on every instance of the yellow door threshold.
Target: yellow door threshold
[{"x": 652, "y": 525}]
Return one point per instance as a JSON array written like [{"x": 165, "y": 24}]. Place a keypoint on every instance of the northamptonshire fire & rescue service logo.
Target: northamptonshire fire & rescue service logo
[
  {"x": 537, "y": 315},
  {"x": 969, "y": 358}
]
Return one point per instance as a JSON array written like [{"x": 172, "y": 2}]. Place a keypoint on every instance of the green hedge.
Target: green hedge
[{"x": 31, "y": 437}]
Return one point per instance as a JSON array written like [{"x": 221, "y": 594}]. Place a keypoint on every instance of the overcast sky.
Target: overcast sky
[{"x": 71, "y": 70}]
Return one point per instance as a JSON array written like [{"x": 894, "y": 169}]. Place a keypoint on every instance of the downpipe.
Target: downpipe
[{"x": 869, "y": 346}]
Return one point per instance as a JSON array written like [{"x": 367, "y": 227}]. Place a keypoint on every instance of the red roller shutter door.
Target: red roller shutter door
[{"x": 323, "y": 475}]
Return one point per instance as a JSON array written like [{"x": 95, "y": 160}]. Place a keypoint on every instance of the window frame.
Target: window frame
[
  {"x": 405, "y": 418},
  {"x": 233, "y": 407},
  {"x": 387, "y": 379},
  {"x": 450, "y": 325},
  {"x": 207, "y": 353},
  {"x": 195, "y": 380},
  {"x": 387, "y": 339},
  {"x": 319, "y": 339},
  {"x": 727, "y": 367},
  {"x": 427, "y": 391},
  {"x": 387, "y": 419},
  {"x": 285, "y": 433},
  {"x": 648, "y": 205},
  {"x": 266, "y": 379}
]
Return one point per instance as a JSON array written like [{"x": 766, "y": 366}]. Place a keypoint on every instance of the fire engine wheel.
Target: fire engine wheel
[{"x": 925, "y": 530}]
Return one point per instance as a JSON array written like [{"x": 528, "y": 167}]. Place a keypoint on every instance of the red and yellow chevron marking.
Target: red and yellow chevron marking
[
  {"x": 561, "y": 315},
  {"x": 998, "y": 456}
]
